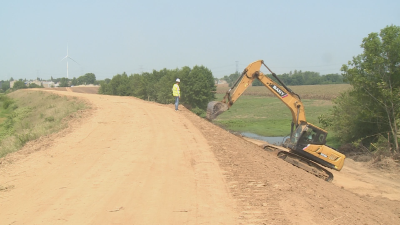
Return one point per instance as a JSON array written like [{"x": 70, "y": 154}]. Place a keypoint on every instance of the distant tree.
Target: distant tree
[
  {"x": 164, "y": 87},
  {"x": 118, "y": 85},
  {"x": 19, "y": 85},
  {"x": 296, "y": 79},
  {"x": 151, "y": 80},
  {"x": 88, "y": 78},
  {"x": 11, "y": 79},
  {"x": 56, "y": 80},
  {"x": 231, "y": 79},
  {"x": 256, "y": 82},
  {"x": 103, "y": 88},
  {"x": 123, "y": 88},
  {"x": 310, "y": 78},
  {"x": 5, "y": 85},
  {"x": 332, "y": 79},
  {"x": 285, "y": 78},
  {"x": 64, "y": 82},
  {"x": 138, "y": 86},
  {"x": 74, "y": 81},
  {"x": 198, "y": 88},
  {"x": 33, "y": 85}
]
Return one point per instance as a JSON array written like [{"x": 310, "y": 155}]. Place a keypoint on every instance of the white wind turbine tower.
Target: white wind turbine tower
[{"x": 67, "y": 57}]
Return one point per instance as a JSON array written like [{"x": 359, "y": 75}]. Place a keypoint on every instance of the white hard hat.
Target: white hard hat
[{"x": 177, "y": 80}]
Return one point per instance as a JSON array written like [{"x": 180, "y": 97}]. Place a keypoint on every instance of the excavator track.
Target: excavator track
[{"x": 306, "y": 165}]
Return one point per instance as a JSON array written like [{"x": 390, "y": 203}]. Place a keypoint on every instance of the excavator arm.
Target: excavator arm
[{"x": 250, "y": 73}]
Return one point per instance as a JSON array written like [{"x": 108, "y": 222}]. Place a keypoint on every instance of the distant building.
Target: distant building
[
  {"x": 12, "y": 83},
  {"x": 38, "y": 83},
  {"x": 48, "y": 84},
  {"x": 221, "y": 81}
]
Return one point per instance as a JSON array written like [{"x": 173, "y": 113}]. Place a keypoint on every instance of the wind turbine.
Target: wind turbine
[{"x": 67, "y": 57}]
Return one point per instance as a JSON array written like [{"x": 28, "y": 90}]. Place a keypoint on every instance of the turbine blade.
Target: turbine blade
[
  {"x": 63, "y": 58},
  {"x": 73, "y": 60}
]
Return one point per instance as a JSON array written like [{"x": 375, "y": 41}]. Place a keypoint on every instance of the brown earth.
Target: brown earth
[{"x": 128, "y": 161}]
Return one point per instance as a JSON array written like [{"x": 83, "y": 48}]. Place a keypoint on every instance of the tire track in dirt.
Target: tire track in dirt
[{"x": 131, "y": 162}]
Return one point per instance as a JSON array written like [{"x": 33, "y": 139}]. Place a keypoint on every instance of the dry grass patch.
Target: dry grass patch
[{"x": 35, "y": 114}]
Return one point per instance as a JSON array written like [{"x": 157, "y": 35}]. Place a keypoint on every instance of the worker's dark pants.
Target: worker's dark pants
[{"x": 176, "y": 103}]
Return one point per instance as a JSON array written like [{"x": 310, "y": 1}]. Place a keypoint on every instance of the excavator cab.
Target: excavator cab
[
  {"x": 306, "y": 134},
  {"x": 309, "y": 141}
]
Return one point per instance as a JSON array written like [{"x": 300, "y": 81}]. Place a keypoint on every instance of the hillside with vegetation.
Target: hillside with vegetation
[{"x": 28, "y": 115}]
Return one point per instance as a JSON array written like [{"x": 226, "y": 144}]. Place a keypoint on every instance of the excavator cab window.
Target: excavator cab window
[
  {"x": 297, "y": 134},
  {"x": 310, "y": 135}
]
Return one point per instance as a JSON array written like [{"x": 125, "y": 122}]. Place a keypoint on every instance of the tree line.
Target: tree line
[
  {"x": 88, "y": 78},
  {"x": 197, "y": 86},
  {"x": 294, "y": 78}
]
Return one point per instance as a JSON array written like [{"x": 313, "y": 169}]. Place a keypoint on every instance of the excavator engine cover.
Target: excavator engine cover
[{"x": 215, "y": 108}]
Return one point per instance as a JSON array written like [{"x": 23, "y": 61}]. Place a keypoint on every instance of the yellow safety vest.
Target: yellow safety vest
[{"x": 176, "y": 91}]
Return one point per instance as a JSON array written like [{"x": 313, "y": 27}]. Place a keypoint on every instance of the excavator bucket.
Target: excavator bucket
[{"x": 215, "y": 108}]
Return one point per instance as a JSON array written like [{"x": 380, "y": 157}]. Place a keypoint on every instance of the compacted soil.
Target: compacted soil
[{"x": 128, "y": 161}]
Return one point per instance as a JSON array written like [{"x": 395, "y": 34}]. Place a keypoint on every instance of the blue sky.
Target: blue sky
[{"x": 111, "y": 37}]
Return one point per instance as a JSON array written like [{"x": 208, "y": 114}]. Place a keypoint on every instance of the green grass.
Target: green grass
[
  {"x": 34, "y": 114},
  {"x": 4, "y": 111},
  {"x": 268, "y": 116}
]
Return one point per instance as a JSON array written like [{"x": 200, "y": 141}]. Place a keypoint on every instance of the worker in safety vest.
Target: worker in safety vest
[{"x": 176, "y": 92}]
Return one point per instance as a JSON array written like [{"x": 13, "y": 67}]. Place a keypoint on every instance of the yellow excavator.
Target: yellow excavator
[{"x": 306, "y": 147}]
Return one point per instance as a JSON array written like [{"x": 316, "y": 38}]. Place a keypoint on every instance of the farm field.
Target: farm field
[{"x": 322, "y": 92}]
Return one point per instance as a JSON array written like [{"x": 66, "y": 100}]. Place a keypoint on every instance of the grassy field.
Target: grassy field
[
  {"x": 256, "y": 112},
  {"x": 4, "y": 109},
  {"x": 34, "y": 114}
]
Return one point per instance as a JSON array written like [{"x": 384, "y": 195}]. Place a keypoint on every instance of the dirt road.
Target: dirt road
[{"x": 136, "y": 162}]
